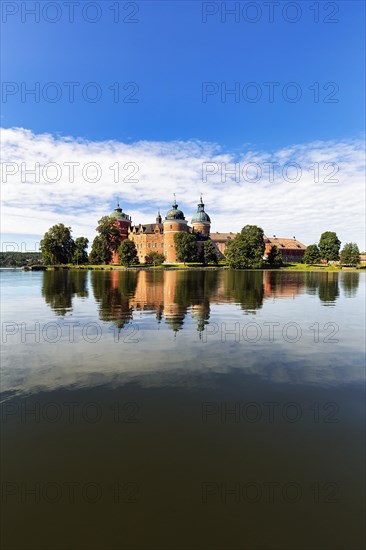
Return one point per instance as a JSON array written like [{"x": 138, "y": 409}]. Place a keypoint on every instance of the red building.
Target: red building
[
  {"x": 159, "y": 236},
  {"x": 123, "y": 223}
]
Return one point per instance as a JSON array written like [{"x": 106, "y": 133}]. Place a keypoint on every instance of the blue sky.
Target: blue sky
[{"x": 168, "y": 54}]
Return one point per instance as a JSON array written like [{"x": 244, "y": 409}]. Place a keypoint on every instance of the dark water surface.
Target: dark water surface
[{"x": 183, "y": 410}]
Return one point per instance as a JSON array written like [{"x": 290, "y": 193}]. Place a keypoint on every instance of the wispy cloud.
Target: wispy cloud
[{"x": 327, "y": 194}]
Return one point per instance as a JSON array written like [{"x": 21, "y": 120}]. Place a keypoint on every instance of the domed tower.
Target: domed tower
[
  {"x": 123, "y": 223},
  {"x": 173, "y": 223},
  {"x": 201, "y": 222}
]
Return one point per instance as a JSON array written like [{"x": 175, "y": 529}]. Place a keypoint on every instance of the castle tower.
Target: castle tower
[
  {"x": 123, "y": 224},
  {"x": 173, "y": 223},
  {"x": 201, "y": 222}
]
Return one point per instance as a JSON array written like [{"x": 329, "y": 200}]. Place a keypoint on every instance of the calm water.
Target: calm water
[{"x": 176, "y": 410}]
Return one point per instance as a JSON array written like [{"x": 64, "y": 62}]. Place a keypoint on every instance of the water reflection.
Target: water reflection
[
  {"x": 245, "y": 288},
  {"x": 328, "y": 288},
  {"x": 172, "y": 294},
  {"x": 349, "y": 283},
  {"x": 113, "y": 292},
  {"x": 60, "y": 287},
  {"x": 232, "y": 412}
]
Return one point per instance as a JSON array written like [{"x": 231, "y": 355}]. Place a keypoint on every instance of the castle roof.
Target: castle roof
[
  {"x": 174, "y": 213},
  {"x": 200, "y": 215},
  {"x": 222, "y": 237},
  {"x": 117, "y": 214},
  {"x": 147, "y": 228},
  {"x": 281, "y": 243}
]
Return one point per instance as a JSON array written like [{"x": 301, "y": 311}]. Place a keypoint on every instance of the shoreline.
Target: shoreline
[{"x": 298, "y": 268}]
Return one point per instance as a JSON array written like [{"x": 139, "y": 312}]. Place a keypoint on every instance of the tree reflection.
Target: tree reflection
[
  {"x": 349, "y": 282},
  {"x": 113, "y": 291},
  {"x": 246, "y": 288},
  {"x": 311, "y": 282},
  {"x": 328, "y": 287},
  {"x": 60, "y": 287}
]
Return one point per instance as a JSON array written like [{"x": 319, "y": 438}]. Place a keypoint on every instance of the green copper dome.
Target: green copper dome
[
  {"x": 174, "y": 213},
  {"x": 200, "y": 215},
  {"x": 117, "y": 214}
]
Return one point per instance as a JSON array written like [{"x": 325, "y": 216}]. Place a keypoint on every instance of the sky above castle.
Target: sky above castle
[{"x": 258, "y": 105}]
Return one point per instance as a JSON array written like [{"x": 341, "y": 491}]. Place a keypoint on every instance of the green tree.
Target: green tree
[
  {"x": 80, "y": 255},
  {"x": 312, "y": 254},
  {"x": 106, "y": 242},
  {"x": 155, "y": 258},
  {"x": 186, "y": 246},
  {"x": 247, "y": 249},
  {"x": 107, "y": 229},
  {"x": 329, "y": 246},
  {"x": 350, "y": 255},
  {"x": 100, "y": 252},
  {"x": 209, "y": 253},
  {"x": 127, "y": 253},
  {"x": 57, "y": 245},
  {"x": 274, "y": 257}
]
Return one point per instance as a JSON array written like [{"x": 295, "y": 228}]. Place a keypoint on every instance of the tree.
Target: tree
[
  {"x": 127, "y": 253},
  {"x": 80, "y": 255},
  {"x": 350, "y": 255},
  {"x": 106, "y": 227},
  {"x": 312, "y": 254},
  {"x": 57, "y": 245},
  {"x": 155, "y": 258},
  {"x": 247, "y": 249},
  {"x": 100, "y": 252},
  {"x": 186, "y": 246},
  {"x": 329, "y": 246},
  {"x": 106, "y": 242},
  {"x": 274, "y": 257},
  {"x": 209, "y": 253}
]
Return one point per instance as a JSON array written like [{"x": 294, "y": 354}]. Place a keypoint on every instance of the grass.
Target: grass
[
  {"x": 197, "y": 265},
  {"x": 316, "y": 267}
]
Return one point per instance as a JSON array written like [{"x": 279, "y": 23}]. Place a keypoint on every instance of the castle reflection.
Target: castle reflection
[{"x": 173, "y": 295}]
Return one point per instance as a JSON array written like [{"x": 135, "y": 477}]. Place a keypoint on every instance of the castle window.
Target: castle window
[
  {"x": 156, "y": 245},
  {"x": 171, "y": 227},
  {"x": 149, "y": 245}
]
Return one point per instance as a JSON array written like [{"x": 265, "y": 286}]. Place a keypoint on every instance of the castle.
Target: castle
[{"x": 159, "y": 236}]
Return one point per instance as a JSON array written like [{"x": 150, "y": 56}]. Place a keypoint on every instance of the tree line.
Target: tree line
[
  {"x": 18, "y": 259},
  {"x": 328, "y": 249}
]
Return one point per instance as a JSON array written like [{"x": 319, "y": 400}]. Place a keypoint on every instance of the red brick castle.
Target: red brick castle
[{"x": 159, "y": 236}]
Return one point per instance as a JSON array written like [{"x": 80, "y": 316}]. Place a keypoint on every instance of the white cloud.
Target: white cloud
[{"x": 304, "y": 208}]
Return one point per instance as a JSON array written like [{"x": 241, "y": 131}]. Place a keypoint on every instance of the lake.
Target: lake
[{"x": 183, "y": 410}]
